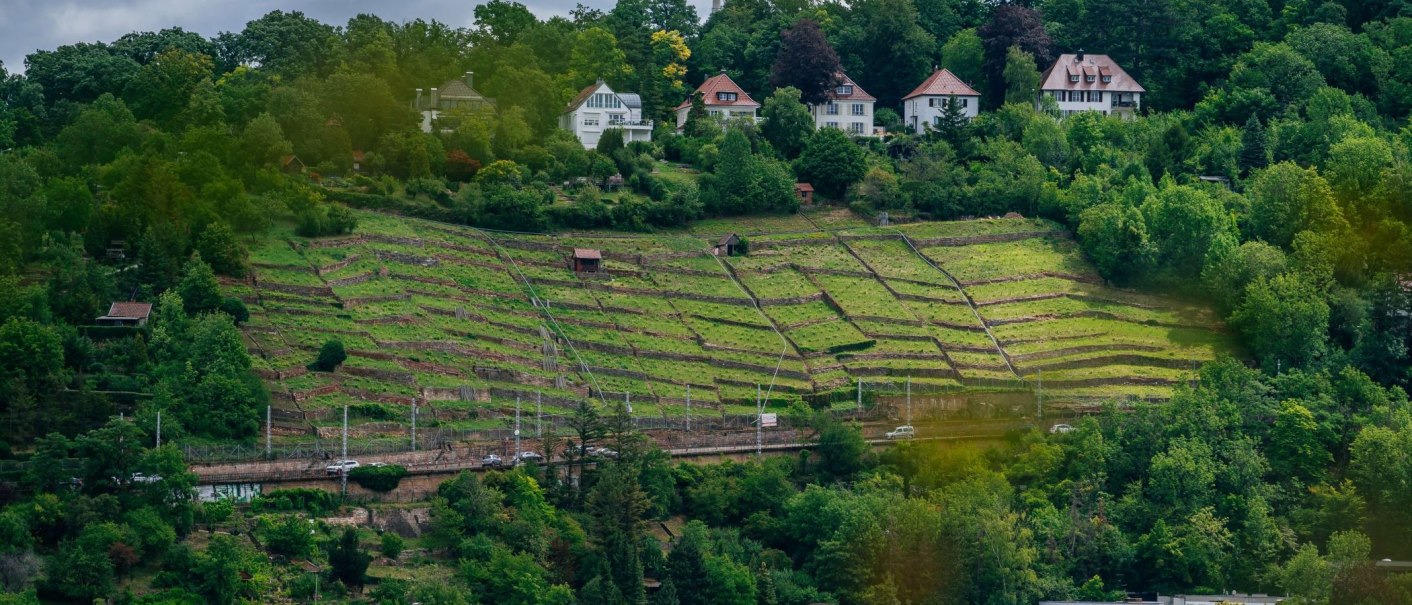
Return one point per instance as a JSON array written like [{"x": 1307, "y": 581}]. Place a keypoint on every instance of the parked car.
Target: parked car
[
  {"x": 492, "y": 461},
  {"x": 377, "y": 464},
  {"x": 341, "y": 466},
  {"x": 902, "y": 432},
  {"x": 1060, "y": 428},
  {"x": 141, "y": 478},
  {"x": 528, "y": 457},
  {"x": 602, "y": 452}
]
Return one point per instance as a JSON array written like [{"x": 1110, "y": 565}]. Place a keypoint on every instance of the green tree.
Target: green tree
[
  {"x": 1254, "y": 146},
  {"x": 1021, "y": 76},
  {"x": 331, "y": 355},
  {"x": 1295, "y": 447},
  {"x": 218, "y": 246},
  {"x": 787, "y": 123},
  {"x": 806, "y": 62},
  {"x": 391, "y": 545},
  {"x": 347, "y": 560},
  {"x": 831, "y": 162},
  {"x": 596, "y": 56},
  {"x": 1114, "y": 237},
  {"x": 964, "y": 55},
  {"x": 199, "y": 290},
  {"x": 1284, "y": 320}
]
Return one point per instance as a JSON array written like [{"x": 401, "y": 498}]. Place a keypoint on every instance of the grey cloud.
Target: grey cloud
[{"x": 29, "y": 25}]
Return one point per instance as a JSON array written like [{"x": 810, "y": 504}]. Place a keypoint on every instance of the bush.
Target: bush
[
  {"x": 391, "y": 545},
  {"x": 378, "y": 478},
  {"x": 236, "y": 310},
  {"x": 316, "y": 502},
  {"x": 331, "y": 355}
]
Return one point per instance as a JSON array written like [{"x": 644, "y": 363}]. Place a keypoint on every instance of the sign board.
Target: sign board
[{"x": 768, "y": 420}]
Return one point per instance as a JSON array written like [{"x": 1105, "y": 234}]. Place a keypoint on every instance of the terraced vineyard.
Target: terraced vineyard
[{"x": 465, "y": 321}]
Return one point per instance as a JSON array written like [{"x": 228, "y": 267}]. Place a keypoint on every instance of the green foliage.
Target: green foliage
[
  {"x": 315, "y": 502},
  {"x": 199, "y": 290},
  {"x": 287, "y": 535},
  {"x": 378, "y": 478},
  {"x": 390, "y": 545},
  {"x": 331, "y": 355},
  {"x": 787, "y": 123},
  {"x": 831, "y": 162},
  {"x": 1285, "y": 321},
  {"x": 347, "y": 560}
]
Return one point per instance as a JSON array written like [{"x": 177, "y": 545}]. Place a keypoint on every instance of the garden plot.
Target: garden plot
[
  {"x": 740, "y": 314},
  {"x": 1010, "y": 260},
  {"x": 788, "y": 316},
  {"x": 762, "y": 339},
  {"x": 944, "y": 314},
  {"x": 718, "y": 286},
  {"x": 952, "y": 338},
  {"x": 832, "y": 257},
  {"x": 977, "y": 228},
  {"x": 1062, "y": 333},
  {"x": 783, "y": 283},
  {"x": 938, "y": 291},
  {"x": 863, "y": 297},
  {"x": 893, "y": 258},
  {"x": 1061, "y": 307},
  {"x": 828, "y": 337}
]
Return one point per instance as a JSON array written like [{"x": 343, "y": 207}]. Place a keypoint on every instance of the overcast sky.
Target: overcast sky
[{"x": 29, "y": 25}]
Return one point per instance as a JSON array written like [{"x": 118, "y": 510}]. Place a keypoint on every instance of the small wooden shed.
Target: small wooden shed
[
  {"x": 729, "y": 245},
  {"x": 291, "y": 164},
  {"x": 587, "y": 260},
  {"x": 133, "y": 314},
  {"x": 805, "y": 191}
]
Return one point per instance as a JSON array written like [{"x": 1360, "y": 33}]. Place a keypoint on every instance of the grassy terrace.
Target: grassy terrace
[{"x": 436, "y": 311}]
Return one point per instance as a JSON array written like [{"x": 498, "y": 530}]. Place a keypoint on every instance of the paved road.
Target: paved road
[{"x": 469, "y": 456}]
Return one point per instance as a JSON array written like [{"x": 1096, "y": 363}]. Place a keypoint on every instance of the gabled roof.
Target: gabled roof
[
  {"x": 457, "y": 88},
  {"x": 1057, "y": 76},
  {"x": 942, "y": 83},
  {"x": 728, "y": 239},
  {"x": 720, "y": 83},
  {"x": 587, "y": 254},
  {"x": 129, "y": 310},
  {"x": 858, "y": 93},
  {"x": 803, "y": 187},
  {"x": 582, "y": 97}
]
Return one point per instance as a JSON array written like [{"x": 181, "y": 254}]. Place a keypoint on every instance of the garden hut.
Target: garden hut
[
  {"x": 729, "y": 245},
  {"x": 587, "y": 260},
  {"x": 133, "y": 314},
  {"x": 291, "y": 164},
  {"x": 805, "y": 191}
]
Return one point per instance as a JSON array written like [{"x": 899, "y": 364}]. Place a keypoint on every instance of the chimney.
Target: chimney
[
  {"x": 1080, "y": 56},
  {"x": 715, "y": 5},
  {"x": 470, "y": 79},
  {"x": 418, "y": 105},
  {"x": 435, "y": 99}
]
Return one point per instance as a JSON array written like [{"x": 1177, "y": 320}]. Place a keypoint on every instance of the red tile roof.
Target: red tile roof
[
  {"x": 129, "y": 310},
  {"x": 583, "y": 96},
  {"x": 943, "y": 82},
  {"x": 858, "y": 93},
  {"x": 587, "y": 253},
  {"x": 721, "y": 83},
  {"x": 802, "y": 187},
  {"x": 1057, "y": 76}
]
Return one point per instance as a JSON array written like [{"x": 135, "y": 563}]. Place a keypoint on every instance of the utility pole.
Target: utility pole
[
  {"x": 759, "y": 422},
  {"x": 159, "y": 428},
  {"x": 909, "y": 401},
  {"x": 539, "y": 416},
  {"x": 414, "y": 424},
  {"x": 267, "y": 430},
  {"x": 688, "y": 407},
  {"x": 343, "y": 461},
  {"x": 860, "y": 395},
  {"x": 1039, "y": 402},
  {"x": 627, "y": 400},
  {"x": 517, "y": 429}
]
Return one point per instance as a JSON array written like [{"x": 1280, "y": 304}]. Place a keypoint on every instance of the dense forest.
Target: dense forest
[{"x": 1268, "y": 173}]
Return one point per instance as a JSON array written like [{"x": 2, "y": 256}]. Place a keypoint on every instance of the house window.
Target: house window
[
  {"x": 931, "y": 102},
  {"x": 1095, "y": 96},
  {"x": 843, "y": 91},
  {"x": 1089, "y": 78},
  {"x": 1107, "y": 79},
  {"x": 832, "y": 109},
  {"x": 858, "y": 109},
  {"x": 1074, "y": 78},
  {"x": 831, "y": 124},
  {"x": 590, "y": 121},
  {"x": 715, "y": 113},
  {"x": 856, "y": 128},
  {"x": 965, "y": 102},
  {"x": 604, "y": 100},
  {"x": 729, "y": 97}
]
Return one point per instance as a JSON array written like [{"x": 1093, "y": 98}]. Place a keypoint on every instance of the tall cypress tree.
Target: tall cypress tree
[{"x": 1254, "y": 146}]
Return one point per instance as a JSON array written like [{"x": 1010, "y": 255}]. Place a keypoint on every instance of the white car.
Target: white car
[
  {"x": 528, "y": 457},
  {"x": 902, "y": 432},
  {"x": 341, "y": 466},
  {"x": 492, "y": 461},
  {"x": 602, "y": 452},
  {"x": 1060, "y": 428},
  {"x": 141, "y": 478}
]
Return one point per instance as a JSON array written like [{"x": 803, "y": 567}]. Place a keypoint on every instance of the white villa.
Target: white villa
[
  {"x": 849, "y": 108},
  {"x": 723, "y": 98},
  {"x": 1082, "y": 82},
  {"x": 457, "y": 94},
  {"x": 597, "y": 108},
  {"x": 924, "y": 106}
]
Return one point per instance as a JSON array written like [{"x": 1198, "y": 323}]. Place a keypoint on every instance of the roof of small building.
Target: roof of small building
[
  {"x": 129, "y": 310},
  {"x": 1058, "y": 74},
  {"x": 801, "y": 187},
  {"x": 721, "y": 83},
  {"x": 631, "y": 100},
  {"x": 858, "y": 93},
  {"x": 587, "y": 254},
  {"x": 942, "y": 82},
  {"x": 457, "y": 88},
  {"x": 728, "y": 239}
]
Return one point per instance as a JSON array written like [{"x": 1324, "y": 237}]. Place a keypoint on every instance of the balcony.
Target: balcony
[
  {"x": 1124, "y": 103},
  {"x": 630, "y": 124}
]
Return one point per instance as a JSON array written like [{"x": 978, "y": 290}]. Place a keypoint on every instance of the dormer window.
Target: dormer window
[
  {"x": 1074, "y": 78},
  {"x": 1089, "y": 78},
  {"x": 1107, "y": 79},
  {"x": 726, "y": 96},
  {"x": 844, "y": 90}
]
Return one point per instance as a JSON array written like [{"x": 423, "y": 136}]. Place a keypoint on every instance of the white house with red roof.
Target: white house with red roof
[
  {"x": 849, "y": 108},
  {"x": 724, "y": 100},
  {"x": 925, "y": 104},
  {"x": 597, "y": 108},
  {"x": 1083, "y": 82}
]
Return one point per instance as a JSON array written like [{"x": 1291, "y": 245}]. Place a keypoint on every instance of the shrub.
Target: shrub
[
  {"x": 316, "y": 502},
  {"x": 236, "y": 310},
  {"x": 391, "y": 545},
  {"x": 331, "y": 355},
  {"x": 378, "y": 478}
]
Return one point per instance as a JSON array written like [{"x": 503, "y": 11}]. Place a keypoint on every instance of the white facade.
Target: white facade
[
  {"x": 1082, "y": 82},
  {"x": 849, "y": 109},
  {"x": 597, "y": 108},
  {"x": 723, "y": 99},
  {"x": 926, "y": 110}
]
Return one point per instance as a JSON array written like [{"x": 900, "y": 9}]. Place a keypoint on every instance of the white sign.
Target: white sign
[{"x": 768, "y": 420}]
